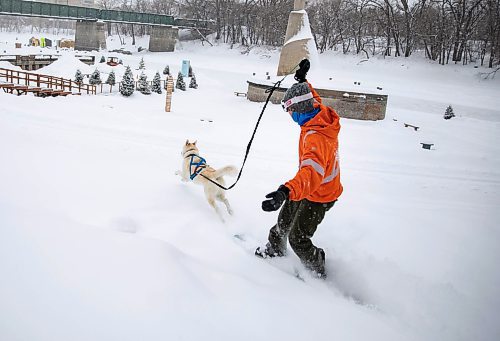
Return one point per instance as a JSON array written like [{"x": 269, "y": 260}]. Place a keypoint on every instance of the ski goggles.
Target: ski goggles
[{"x": 287, "y": 104}]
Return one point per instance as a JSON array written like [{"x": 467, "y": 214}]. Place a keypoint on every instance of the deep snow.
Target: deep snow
[{"x": 100, "y": 240}]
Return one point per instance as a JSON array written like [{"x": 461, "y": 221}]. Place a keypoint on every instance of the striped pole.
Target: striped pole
[{"x": 170, "y": 88}]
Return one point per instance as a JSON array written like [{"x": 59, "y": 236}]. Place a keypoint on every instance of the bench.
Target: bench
[
  {"x": 60, "y": 93},
  {"x": 6, "y": 86},
  {"x": 411, "y": 126},
  {"x": 426, "y": 145},
  {"x": 242, "y": 94},
  {"x": 44, "y": 92},
  {"x": 21, "y": 89},
  {"x": 33, "y": 89},
  {"x": 9, "y": 88}
]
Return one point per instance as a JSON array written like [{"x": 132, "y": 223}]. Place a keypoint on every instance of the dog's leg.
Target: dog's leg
[
  {"x": 222, "y": 198},
  {"x": 183, "y": 174},
  {"x": 211, "y": 202},
  {"x": 179, "y": 173}
]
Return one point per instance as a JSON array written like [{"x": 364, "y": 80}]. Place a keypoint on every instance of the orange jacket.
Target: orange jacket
[{"x": 318, "y": 177}]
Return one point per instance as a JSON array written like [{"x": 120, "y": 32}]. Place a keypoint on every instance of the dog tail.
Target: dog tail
[{"x": 228, "y": 170}]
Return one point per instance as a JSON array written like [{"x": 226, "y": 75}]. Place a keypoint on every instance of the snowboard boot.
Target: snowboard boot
[
  {"x": 268, "y": 252},
  {"x": 318, "y": 270}
]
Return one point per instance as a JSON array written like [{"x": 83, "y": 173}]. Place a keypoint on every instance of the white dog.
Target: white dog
[{"x": 195, "y": 168}]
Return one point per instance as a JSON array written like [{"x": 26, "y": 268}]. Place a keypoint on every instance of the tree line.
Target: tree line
[
  {"x": 459, "y": 31},
  {"x": 445, "y": 31}
]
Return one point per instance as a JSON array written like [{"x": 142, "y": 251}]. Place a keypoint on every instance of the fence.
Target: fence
[{"x": 38, "y": 80}]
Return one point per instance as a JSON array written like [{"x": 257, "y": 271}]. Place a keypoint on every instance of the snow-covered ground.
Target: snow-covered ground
[{"x": 100, "y": 240}]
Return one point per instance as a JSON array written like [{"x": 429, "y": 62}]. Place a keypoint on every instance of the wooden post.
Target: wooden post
[{"x": 170, "y": 88}]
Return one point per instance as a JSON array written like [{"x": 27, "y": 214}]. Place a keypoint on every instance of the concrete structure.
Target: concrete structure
[
  {"x": 90, "y": 35},
  {"x": 35, "y": 62},
  {"x": 163, "y": 38},
  {"x": 353, "y": 102},
  {"x": 299, "y": 41},
  {"x": 348, "y": 104}
]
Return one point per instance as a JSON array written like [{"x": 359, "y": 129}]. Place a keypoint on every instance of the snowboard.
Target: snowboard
[{"x": 283, "y": 264}]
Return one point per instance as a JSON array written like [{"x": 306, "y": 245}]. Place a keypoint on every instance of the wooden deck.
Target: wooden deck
[{"x": 22, "y": 83}]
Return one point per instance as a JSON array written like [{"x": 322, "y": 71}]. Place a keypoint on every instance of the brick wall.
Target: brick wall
[{"x": 358, "y": 105}]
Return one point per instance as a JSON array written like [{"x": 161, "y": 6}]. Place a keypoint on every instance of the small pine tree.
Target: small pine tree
[
  {"x": 166, "y": 70},
  {"x": 180, "y": 82},
  {"x": 142, "y": 84},
  {"x": 111, "y": 78},
  {"x": 190, "y": 72},
  {"x": 142, "y": 66},
  {"x": 156, "y": 84},
  {"x": 95, "y": 78},
  {"x": 78, "y": 77},
  {"x": 193, "y": 83},
  {"x": 103, "y": 60},
  {"x": 449, "y": 113},
  {"x": 127, "y": 85}
]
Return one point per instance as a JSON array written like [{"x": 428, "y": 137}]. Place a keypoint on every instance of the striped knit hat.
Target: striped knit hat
[{"x": 298, "y": 98}]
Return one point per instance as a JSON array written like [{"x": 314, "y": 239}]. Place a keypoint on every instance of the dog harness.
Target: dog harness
[{"x": 196, "y": 168}]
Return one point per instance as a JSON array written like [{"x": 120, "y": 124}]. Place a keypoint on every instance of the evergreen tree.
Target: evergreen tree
[
  {"x": 142, "y": 66},
  {"x": 193, "y": 83},
  {"x": 190, "y": 72},
  {"x": 180, "y": 82},
  {"x": 157, "y": 84},
  {"x": 166, "y": 70},
  {"x": 111, "y": 78},
  {"x": 127, "y": 85},
  {"x": 449, "y": 113},
  {"x": 78, "y": 77},
  {"x": 142, "y": 84},
  {"x": 95, "y": 78},
  {"x": 103, "y": 60}
]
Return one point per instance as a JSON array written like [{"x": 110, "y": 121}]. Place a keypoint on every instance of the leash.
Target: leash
[{"x": 270, "y": 92}]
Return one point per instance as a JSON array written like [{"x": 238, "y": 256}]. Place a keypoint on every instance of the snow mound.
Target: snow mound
[
  {"x": 7, "y": 65},
  {"x": 65, "y": 66}
]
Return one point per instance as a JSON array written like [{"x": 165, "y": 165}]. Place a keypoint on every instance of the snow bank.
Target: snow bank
[
  {"x": 65, "y": 66},
  {"x": 99, "y": 239}
]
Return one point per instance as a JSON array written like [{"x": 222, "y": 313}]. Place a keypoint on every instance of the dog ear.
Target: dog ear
[
  {"x": 195, "y": 142},
  {"x": 187, "y": 142}
]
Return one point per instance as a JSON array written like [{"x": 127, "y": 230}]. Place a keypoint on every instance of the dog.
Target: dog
[{"x": 195, "y": 169}]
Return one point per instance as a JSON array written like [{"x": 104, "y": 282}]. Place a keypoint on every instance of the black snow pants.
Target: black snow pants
[{"x": 298, "y": 220}]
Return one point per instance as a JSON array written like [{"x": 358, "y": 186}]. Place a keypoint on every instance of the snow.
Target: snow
[
  {"x": 100, "y": 240},
  {"x": 65, "y": 66}
]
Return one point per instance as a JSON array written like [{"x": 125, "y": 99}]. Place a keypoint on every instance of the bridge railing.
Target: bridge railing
[{"x": 41, "y": 9}]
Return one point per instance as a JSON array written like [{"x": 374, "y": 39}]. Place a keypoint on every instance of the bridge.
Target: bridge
[{"x": 90, "y": 28}]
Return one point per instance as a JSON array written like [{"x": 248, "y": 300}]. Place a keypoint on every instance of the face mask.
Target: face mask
[{"x": 302, "y": 118}]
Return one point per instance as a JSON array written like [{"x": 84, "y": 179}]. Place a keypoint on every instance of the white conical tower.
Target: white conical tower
[{"x": 299, "y": 41}]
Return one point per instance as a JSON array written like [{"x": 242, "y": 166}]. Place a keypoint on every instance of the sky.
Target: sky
[{"x": 101, "y": 240}]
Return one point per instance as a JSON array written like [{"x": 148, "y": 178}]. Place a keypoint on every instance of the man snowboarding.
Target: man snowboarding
[{"x": 316, "y": 186}]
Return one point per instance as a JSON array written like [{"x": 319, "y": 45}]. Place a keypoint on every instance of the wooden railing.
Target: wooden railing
[{"x": 38, "y": 80}]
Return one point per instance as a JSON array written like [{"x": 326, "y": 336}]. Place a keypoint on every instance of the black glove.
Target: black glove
[
  {"x": 277, "y": 198},
  {"x": 300, "y": 74}
]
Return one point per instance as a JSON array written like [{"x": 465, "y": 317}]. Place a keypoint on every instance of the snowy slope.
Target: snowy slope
[{"x": 100, "y": 240}]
